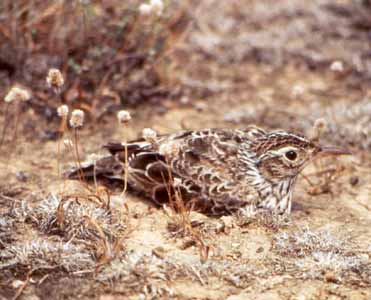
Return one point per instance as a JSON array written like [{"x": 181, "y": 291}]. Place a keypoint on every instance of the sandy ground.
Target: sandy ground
[{"x": 134, "y": 250}]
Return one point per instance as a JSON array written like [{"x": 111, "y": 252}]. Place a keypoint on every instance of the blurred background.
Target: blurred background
[{"x": 193, "y": 64}]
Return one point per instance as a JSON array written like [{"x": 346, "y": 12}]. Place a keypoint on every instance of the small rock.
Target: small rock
[
  {"x": 159, "y": 252},
  {"x": 228, "y": 221},
  {"x": 220, "y": 227},
  {"x": 21, "y": 176},
  {"x": 187, "y": 244},
  {"x": 330, "y": 277},
  {"x": 260, "y": 250},
  {"x": 200, "y": 106},
  {"x": 184, "y": 100},
  {"x": 225, "y": 224},
  {"x": 337, "y": 66},
  {"x": 236, "y": 245},
  {"x": 197, "y": 219},
  {"x": 354, "y": 180}
]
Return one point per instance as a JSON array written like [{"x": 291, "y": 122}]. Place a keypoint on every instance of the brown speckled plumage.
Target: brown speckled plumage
[{"x": 217, "y": 171}]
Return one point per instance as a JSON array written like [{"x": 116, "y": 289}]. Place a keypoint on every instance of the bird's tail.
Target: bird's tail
[
  {"x": 106, "y": 167},
  {"x": 109, "y": 167}
]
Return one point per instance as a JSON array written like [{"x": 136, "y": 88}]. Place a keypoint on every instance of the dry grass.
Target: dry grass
[
  {"x": 181, "y": 223},
  {"x": 111, "y": 38},
  {"x": 216, "y": 55},
  {"x": 322, "y": 255}
]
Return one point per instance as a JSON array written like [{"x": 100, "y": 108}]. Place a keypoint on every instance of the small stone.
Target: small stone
[
  {"x": 172, "y": 226},
  {"x": 200, "y": 106},
  {"x": 197, "y": 218},
  {"x": 220, "y": 227},
  {"x": 187, "y": 244},
  {"x": 159, "y": 252},
  {"x": 337, "y": 66},
  {"x": 260, "y": 250},
  {"x": 354, "y": 180},
  {"x": 228, "y": 221},
  {"x": 330, "y": 277},
  {"x": 21, "y": 176},
  {"x": 184, "y": 100}
]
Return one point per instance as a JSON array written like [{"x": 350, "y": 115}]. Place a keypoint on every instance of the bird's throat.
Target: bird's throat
[{"x": 277, "y": 197}]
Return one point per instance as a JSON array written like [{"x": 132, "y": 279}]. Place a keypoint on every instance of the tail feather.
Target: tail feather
[
  {"x": 108, "y": 167},
  {"x": 132, "y": 147}
]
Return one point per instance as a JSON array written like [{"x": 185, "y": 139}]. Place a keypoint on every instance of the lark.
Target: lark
[{"x": 215, "y": 171}]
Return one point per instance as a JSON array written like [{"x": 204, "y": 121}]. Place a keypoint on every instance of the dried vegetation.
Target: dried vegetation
[{"x": 185, "y": 65}]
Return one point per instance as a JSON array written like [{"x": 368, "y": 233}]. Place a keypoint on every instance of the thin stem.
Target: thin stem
[
  {"x": 126, "y": 163},
  {"x": 59, "y": 155},
  {"x": 14, "y": 144},
  {"x": 6, "y": 124},
  {"x": 64, "y": 129},
  {"x": 81, "y": 175},
  {"x": 60, "y": 137},
  {"x": 95, "y": 176},
  {"x": 306, "y": 178}
]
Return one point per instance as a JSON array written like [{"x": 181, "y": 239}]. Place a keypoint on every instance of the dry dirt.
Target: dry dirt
[{"x": 273, "y": 71}]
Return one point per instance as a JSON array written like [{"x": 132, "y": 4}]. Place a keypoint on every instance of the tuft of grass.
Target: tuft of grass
[
  {"x": 266, "y": 218},
  {"x": 71, "y": 217},
  {"x": 46, "y": 253},
  {"x": 321, "y": 255},
  {"x": 306, "y": 241}
]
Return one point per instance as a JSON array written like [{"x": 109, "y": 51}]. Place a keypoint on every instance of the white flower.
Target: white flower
[
  {"x": 62, "y": 111},
  {"x": 145, "y": 9},
  {"x": 17, "y": 94},
  {"x": 157, "y": 6},
  {"x": 297, "y": 90},
  {"x": 77, "y": 118},
  {"x": 55, "y": 79},
  {"x": 68, "y": 143},
  {"x": 319, "y": 127},
  {"x": 337, "y": 66},
  {"x": 169, "y": 149},
  {"x": 320, "y": 124},
  {"x": 123, "y": 116},
  {"x": 149, "y": 135},
  {"x": 154, "y": 6}
]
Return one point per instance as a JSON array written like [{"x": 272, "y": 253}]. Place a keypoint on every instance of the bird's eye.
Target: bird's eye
[{"x": 291, "y": 155}]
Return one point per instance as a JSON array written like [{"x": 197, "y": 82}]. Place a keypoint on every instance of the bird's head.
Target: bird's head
[{"x": 283, "y": 155}]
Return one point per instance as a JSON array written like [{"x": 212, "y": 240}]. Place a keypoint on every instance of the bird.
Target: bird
[{"x": 213, "y": 171}]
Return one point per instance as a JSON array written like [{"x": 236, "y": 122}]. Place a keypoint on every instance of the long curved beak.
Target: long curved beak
[{"x": 330, "y": 150}]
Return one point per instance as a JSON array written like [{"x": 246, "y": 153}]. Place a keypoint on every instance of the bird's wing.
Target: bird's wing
[{"x": 209, "y": 159}]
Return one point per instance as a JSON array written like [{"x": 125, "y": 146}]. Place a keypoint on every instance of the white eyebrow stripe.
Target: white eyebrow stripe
[{"x": 277, "y": 134}]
